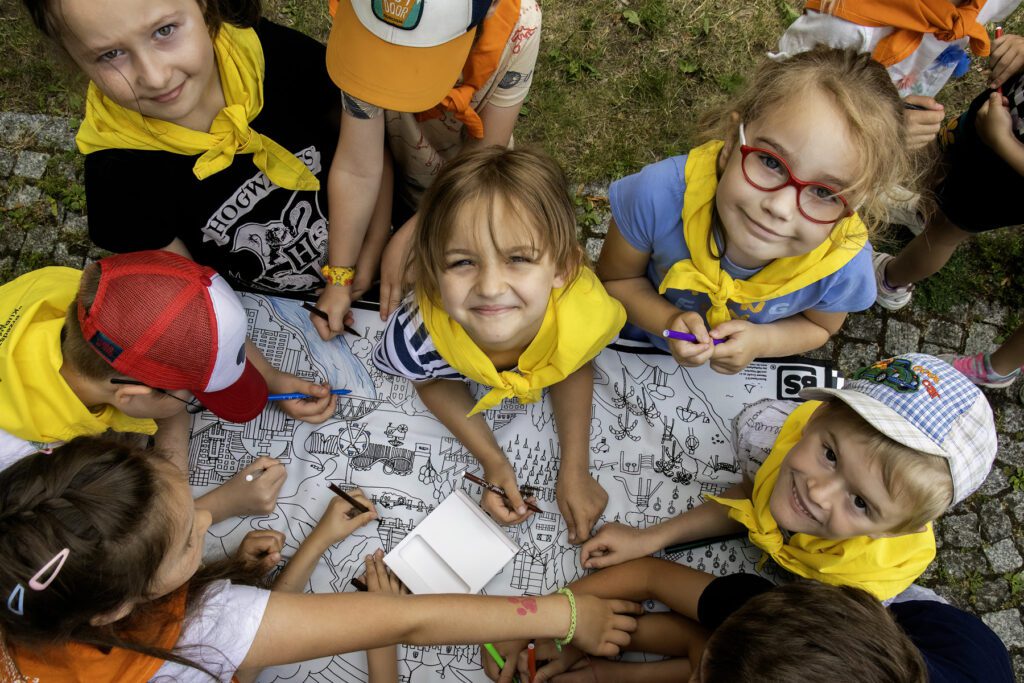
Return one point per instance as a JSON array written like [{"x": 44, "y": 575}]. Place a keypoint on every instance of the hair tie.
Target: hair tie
[{"x": 40, "y": 581}]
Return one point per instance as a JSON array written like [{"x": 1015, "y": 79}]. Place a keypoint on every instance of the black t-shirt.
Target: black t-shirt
[
  {"x": 955, "y": 645},
  {"x": 259, "y": 236}
]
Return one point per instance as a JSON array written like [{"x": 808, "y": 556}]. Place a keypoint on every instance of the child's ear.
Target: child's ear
[
  {"x": 124, "y": 394},
  {"x": 112, "y": 616},
  {"x": 560, "y": 280}
]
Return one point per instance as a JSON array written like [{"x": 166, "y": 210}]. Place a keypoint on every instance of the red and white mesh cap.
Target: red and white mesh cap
[{"x": 171, "y": 323}]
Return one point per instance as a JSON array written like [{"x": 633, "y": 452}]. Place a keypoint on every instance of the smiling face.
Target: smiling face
[
  {"x": 497, "y": 280},
  {"x": 811, "y": 135},
  {"x": 830, "y": 487},
  {"x": 185, "y": 551},
  {"x": 150, "y": 56}
]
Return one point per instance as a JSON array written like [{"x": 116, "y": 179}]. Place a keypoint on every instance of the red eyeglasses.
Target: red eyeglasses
[{"x": 769, "y": 172}]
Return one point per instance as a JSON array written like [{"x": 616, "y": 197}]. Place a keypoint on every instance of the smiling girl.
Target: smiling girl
[
  {"x": 505, "y": 299},
  {"x": 752, "y": 242}
]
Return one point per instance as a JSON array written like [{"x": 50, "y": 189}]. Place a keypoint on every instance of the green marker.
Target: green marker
[{"x": 498, "y": 659}]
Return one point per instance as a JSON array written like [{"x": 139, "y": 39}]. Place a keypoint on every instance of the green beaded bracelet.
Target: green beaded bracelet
[{"x": 562, "y": 642}]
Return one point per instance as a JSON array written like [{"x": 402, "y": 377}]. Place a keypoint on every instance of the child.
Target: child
[
  {"x": 451, "y": 77},
  {"x": 802, "y": 631},
  {"x": 101, "y": 547},
  {"x": 503, "y": 298},
  {"x": 922, "y": 43},
  {"x": 983, "y": 156},
  {"x": 843, "y": 489},
  {"x": 757, "y": 237},
  {"x": 212, "y": 128},
  {"x": 127, "y": 345}
]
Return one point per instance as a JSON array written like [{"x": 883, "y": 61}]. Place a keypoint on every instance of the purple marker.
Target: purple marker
[{"x": 685, "y": 336}]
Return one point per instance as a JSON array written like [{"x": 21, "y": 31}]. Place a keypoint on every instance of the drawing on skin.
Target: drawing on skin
[{"x": 660, "y": 442}]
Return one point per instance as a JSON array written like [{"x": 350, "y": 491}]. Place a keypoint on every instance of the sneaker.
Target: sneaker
[
  {"x": 889, "y": 298},
  {"x": 977, "y": 369}
]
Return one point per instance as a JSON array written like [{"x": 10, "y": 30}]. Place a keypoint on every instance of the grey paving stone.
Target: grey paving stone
[
  {"x": 593, "y": 248},
  {"x": 41, "y": 238},
  {"x": 1003, "y": 556},
  {"x": 944, "y": 333},
  {"x": 963, "y": 563},
  {"x": 23, "y": 196},
  {"x": 1015, "y": 504},
  {"x": 995, "y": 523},
  {"x": 31, "y": 165},
  {"x": 1007, "y": 626},
  {"x": 901, "y": 337},
  {"x": 935, "y": 349},
  {"x": 989, "y": 312},
  {"x": 599, "y": 189},
  {"x": 995, "y": 483},
  {"x": 992, "y": 595},
  {"x": 961, "y": 531},
  {"x": 863, "y": 326},
  {"x": 49, "y": 132},
  {"x": 62, "y": 257},
  {"x": 981, "y": 337},
  {"x": 1011, "y": 451},
  {"x": 1010, "y": 418},
  {"x": 854, "y": 355},
  {"x": 6, "y": 163}
]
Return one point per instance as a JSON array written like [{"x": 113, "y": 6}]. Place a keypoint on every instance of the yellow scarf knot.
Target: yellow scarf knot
[
  {"x": 703, "y": 271},
  {"x": 580, "y": 320},
  {"x": 883, "y": 567},
  {"x": 239, "y": 55}
]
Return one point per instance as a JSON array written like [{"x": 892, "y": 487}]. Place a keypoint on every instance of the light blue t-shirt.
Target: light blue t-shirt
[{"x": 647, "y": 208}]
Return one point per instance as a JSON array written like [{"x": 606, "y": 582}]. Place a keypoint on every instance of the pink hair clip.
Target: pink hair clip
[{"x": 39, "y": 581}]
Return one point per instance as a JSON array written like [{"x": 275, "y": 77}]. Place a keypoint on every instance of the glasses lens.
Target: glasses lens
[
  {"x": 764, "y": 170},
  {"x": 819, "y": 203}
]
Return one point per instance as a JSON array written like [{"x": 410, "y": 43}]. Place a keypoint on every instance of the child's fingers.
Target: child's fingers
[{"x": 496, "y": 507}]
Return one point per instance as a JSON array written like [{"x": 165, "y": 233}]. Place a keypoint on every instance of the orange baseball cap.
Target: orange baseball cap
[{"x": 403, "y": 55}]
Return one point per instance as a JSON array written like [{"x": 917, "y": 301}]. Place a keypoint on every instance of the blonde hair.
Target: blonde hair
[
  {"x": 863, "y": 92},
  {"x": 79, "y": 353},
  {"x": 526, "y": 181},
  {"x": 921, "y": 479}
]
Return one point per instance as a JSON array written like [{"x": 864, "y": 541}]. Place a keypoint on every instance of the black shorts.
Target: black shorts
[{"x": 979, "y": 191}]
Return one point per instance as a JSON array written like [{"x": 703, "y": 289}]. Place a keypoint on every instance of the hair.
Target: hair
[
  {"x": 48, "y": 16},
  {"x": 77, "y": 352},
  {"x": 862, "y": 90},
  {"x": 526, "y": 181},
  {"x": 921, "y": 479},
  {"x": 811, "y": 631},
  {"x": 108, "y": 504}
]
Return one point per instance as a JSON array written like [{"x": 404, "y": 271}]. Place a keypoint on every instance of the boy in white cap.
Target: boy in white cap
[
  {"x": 843, "y": 487},
  {"x": 427, "y": 79},
  {"x": 126, "y": 345}
]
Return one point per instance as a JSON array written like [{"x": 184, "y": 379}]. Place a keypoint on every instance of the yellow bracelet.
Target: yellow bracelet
[{"x": 339, "y": 275}]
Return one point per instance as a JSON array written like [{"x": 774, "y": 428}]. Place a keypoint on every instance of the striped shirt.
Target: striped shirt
[{"x": 407, "y": 350}]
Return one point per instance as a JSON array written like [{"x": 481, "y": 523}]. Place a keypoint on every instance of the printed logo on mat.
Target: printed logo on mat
[
  {"x": 404, "y": 14},
  {"x": 793, "y": 378}
]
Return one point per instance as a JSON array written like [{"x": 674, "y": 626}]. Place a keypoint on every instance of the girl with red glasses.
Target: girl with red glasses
[{"x": 755, "y": 244}]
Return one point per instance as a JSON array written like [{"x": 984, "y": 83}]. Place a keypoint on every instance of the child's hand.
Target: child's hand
[
  {"x": 1006, "y": 59},
  {"x": 739, "y": 348},
  {"x": 614, "y": 543},
  {"x": 395, "y": 269},
  {"x": 379, "y": 579},
  {"x": 507, "y": 512},
  {"x": 238, "y": 496},
  {"x": 335, "y": 301},
  {"x": 556, "y": 662},
  {"x": 690, "y": 354},
  {"x": 340, "y": 519},
  {"x": 313, "y": 410},
  {"x": 994, "y": 125},
  {"x": 509, "y": 651},
  {"x": 581, "y": 500},
  {"x": 922, "y": 126},
  {"x": 603, "y": 626},
  {"x": 261, "y": 547}
]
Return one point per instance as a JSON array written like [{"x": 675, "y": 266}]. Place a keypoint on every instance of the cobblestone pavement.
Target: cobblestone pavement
[{"x": 979, "y": 565}]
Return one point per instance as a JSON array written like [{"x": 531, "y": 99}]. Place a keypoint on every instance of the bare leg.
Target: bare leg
[
  {"x": 1010, "y": 354},
  {"x": 927, "y": 253}
]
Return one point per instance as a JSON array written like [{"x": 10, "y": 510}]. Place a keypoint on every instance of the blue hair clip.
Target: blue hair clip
[{"x": 38, "y": 582}]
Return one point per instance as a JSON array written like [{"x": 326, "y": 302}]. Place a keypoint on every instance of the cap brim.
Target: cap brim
[
  {"x": 406, "y": 79},
  {"x": 240, "y": 402},
  {"x": 881, "y": 417}
]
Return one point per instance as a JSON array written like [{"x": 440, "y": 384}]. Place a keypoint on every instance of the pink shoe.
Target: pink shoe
[{"x": 978, "y": 369}]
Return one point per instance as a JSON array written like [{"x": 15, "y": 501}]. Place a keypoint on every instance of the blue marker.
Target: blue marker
[{"x": 288, "y": 397}]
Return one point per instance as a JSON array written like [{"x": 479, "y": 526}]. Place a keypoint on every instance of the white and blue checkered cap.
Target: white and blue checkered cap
[{"x": 925, "y": 404}]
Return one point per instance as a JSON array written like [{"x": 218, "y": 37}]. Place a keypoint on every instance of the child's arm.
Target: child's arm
[
  {"x": 339, "y": 520},
  {"x": 745, "y": 341},
  {"x": 623, "y": 269},
  {"x": 995, "y": 128},
  {"x": 171, "y": 438},
  {"x": 299, "y": 627},
  {"x": 581, "y": 500},
  {"x": 240, "y": 496},
  {"x": 616, "y": 543},
  {"x": 450, "y": 401},
  {"x": 382, "y": 662}
]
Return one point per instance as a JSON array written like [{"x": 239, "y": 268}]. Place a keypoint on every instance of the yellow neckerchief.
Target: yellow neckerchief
[
  {"x": 910, "y": 21},
  {"x": 703, "y": 272},
  {"x": 108, "y": 125},
  {"x": 581, "y": 319},
  {"x": 883, "y": 567},
  {"x": 482, "y": 62},
  {"x": 36, "y": 404}
]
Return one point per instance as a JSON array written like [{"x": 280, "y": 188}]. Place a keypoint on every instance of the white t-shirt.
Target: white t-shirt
[
  {"x": 919, "y": 74},
  {"x": 218, "y": 634}
]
